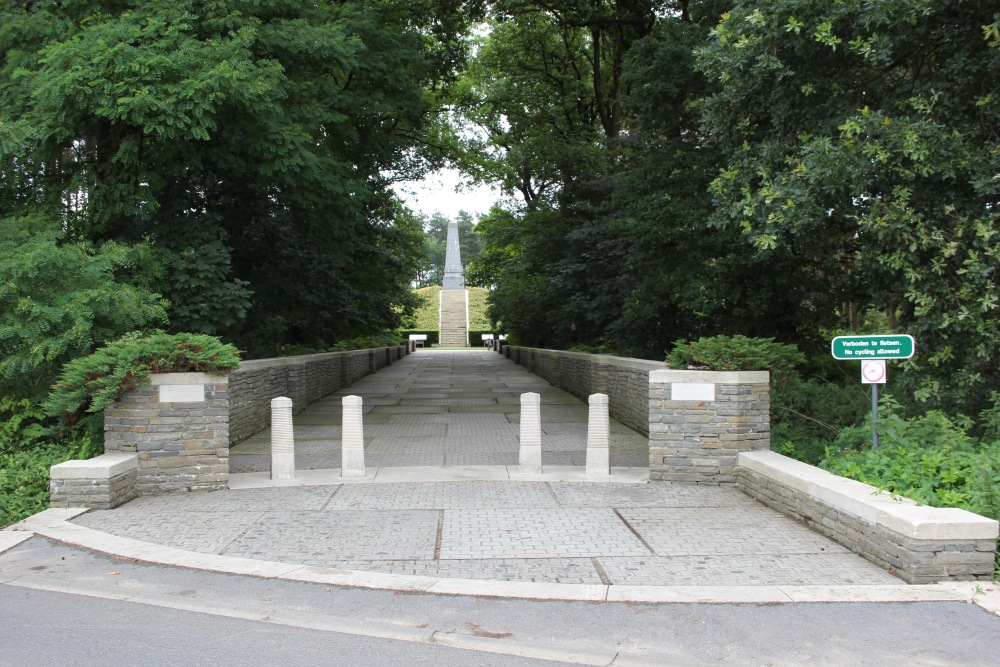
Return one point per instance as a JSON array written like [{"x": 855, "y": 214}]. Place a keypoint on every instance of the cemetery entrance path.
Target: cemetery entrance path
[{"x": 442, "y": 510}]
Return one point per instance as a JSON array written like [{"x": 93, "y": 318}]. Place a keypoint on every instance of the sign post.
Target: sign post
[{"x": 873, "y": 352}]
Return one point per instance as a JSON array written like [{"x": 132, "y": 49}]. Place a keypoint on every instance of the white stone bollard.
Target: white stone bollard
[
  {"x": 352, "y": 446},
  {"x": 530, "y": 454},
  {"x": 282, "y": 439},
  {"x": 598, "y": 437}
]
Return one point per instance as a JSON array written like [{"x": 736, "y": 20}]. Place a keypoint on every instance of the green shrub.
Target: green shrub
[
  {"x": 24, "y": 476},
  {"x": 91, "y": 383},
  {"x": 22, "y": 425},
  {"x": 929, "y": 458},
  {"x": 60, "y": 299},
  {"x": 736, "y": 353}
]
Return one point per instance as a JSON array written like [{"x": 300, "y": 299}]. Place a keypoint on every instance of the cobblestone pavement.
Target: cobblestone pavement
[
  {"x": 462, "y": 408},
  {"x": 440, "y": 408},
  {"x": 587, "y": 533}
]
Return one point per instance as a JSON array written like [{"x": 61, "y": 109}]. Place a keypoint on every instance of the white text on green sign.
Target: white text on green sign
[{"x": 890, "y": 346}]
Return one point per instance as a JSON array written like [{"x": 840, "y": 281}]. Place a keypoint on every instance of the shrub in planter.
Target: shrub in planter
[
  {"x": 91, "y": 383},
  {"x": 736, "y": 353}
]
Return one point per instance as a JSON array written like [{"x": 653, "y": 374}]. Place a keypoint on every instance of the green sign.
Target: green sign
[{"x": 872, "y": 347}]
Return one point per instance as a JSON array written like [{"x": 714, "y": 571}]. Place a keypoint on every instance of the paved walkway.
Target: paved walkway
[
  {"x": 444, "y": 409},
  {"x": 593, "y": 539}
]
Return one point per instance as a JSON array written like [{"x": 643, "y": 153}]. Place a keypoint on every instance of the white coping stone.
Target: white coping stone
[
  {"x": 669, "y": 376},
  {"x": 901, "y": 515},
  {"x": 182, "y": 393},
  {"x": 11, "y": 538},
  {"x": 256, "y": 364},
  {"x": 352, "y": 445},
  {"x": 623, "y": 362},
  {"x": 282, "y": 439},
  {"x": 598, "y": 436},
  {"x": 530, "y": 452},
  {"x": 104, "y": 466},
  {"x": 692, "y": 391},
  {"x": 157, "y": 379}
]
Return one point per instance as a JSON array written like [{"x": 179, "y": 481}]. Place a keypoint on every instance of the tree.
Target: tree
[
  {"x": 863, "y": 137},
  {"x": 60, "y": 300},
  {"x": 251, "y": 145}
]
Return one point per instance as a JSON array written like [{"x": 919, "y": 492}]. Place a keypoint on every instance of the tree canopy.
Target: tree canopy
[
  {"x": 249, "y": 145},
  {"x": 787, "y": 169}
]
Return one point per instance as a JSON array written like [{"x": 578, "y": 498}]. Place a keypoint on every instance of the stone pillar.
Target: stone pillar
[
  {"x": 352, "y": 444},
  {"x": 530, "y": 453},
  {"x": 178, "y": 425},
  {"x": 598, "y": 436},
  {"x": 282, "y": 439},
  {"x": 699, "y": 421}
]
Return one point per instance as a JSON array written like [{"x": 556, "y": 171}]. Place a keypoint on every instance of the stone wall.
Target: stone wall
[
  {"x": 917, "y": 543},
  {"x": 694, "y": 433},
  {"x": 102, "y": 483},
  {"x": 178, "y": 425},
  {"x": 304, "y": 379},
  {"x": 181, "y": 425},
  {"x": 624, "y": 380},
  {"x": 699, "y": 421}
]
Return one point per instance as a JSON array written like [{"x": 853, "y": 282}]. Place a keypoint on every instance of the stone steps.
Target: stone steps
[{"x": 454, "y": 318}]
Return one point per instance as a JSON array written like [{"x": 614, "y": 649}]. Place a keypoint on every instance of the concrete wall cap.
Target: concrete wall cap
[
  {"x": 99, "y": 467},
  {"x": 901, "y": 515},
  {"x": 624, "y": 362},
  {"x": 156, "y": 379},
  {"x": 669, "y": 375},
  {"x": 256, "y": 364}
]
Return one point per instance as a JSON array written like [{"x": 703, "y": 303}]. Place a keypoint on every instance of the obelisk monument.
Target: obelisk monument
[{"x": 454, "y": 310}]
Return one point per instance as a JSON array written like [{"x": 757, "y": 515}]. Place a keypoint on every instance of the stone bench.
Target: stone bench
[
  {"x": 920, "y": 544},
  {"x": 103, "y": 482}
]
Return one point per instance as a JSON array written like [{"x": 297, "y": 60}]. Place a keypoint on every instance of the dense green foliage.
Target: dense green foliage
[
  {"x": 249, "y": 145},
  {"x": 736, "y": 353},
  {"x": 24, "y": 475},
  {"x": 778, "y": 169},
  {"x": 91, "y": 383},
  {"x": 60, "y": 300}
]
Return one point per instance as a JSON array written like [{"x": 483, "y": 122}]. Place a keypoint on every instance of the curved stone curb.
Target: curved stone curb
[{"x": 56, "y": 524}]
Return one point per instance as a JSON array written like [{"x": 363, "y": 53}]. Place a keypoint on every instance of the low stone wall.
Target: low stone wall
[
  {"x": 102, "y": 483},
  {"x": 181, "y": 425},
  {"x": 917, "y": 543},
  {"x": 624, "y": 380},
  {"x": 697, "y": 421},
  {"x": 304, "y": 379}
]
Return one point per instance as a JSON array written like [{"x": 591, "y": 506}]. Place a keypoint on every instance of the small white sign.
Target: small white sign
[
  {"x": 692, "y": 391},
  {"x": 873, "y": 371},
  {"x": 182, "y": 393}
]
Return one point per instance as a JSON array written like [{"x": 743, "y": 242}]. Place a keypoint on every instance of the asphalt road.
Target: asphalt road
[{"x": 67, "y": 606}]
